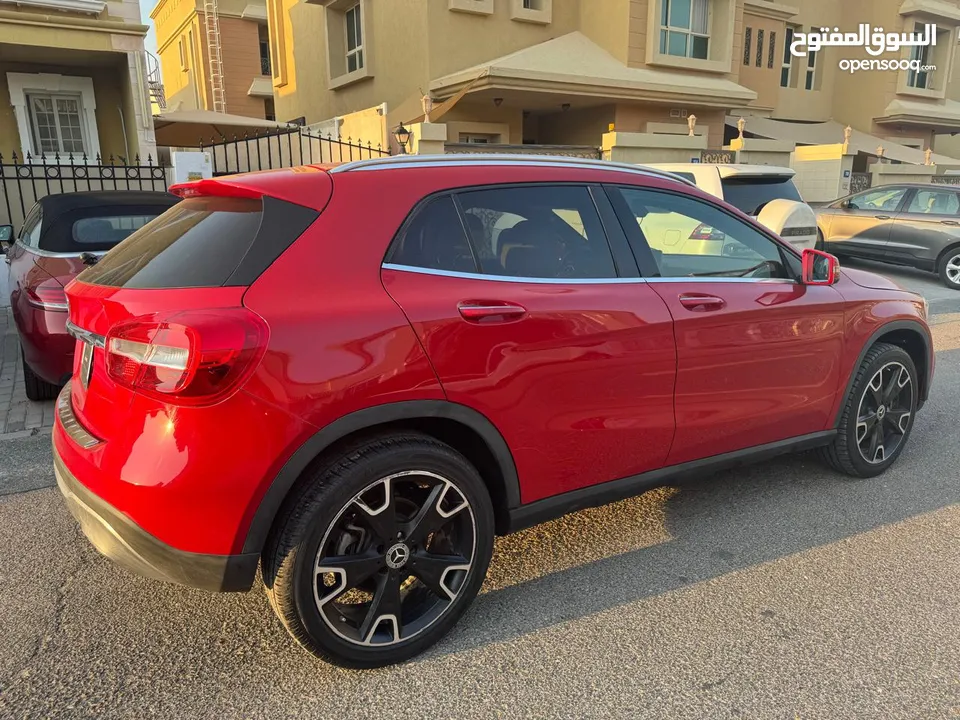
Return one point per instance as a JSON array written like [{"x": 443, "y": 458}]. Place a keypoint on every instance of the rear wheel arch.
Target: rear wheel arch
[
  {"x": 907, "y": 334},
  {"x": 458, "y": 426}
]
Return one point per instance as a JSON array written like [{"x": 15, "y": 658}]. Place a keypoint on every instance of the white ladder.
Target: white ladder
[{"x": 212, "y": 21}]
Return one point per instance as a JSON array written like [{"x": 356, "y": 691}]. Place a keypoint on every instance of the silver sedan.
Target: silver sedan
[{"x": 916, "y": 225}]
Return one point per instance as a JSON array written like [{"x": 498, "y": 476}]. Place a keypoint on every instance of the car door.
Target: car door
[
  {"x": 860, "y": 225},
  {"x": 929, "y": 224},
  {"x": 534, "y": 324},
  {"x": 757, "y": 352}
]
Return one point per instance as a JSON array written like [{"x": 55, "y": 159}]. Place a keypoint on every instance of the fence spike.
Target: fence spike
[
  {"x": 137, "y": 159},
  {"x": 56, "y": 157},
  {"x": 43, "y": 158},
  {"x": 149, "y": 159},
  {"x": 96, "y": 158},
  {"x": 28, "y": 157},
  {"x": 112, "y": 161}
]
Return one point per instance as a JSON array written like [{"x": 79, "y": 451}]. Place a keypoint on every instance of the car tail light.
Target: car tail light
[
  {"x": 48, "y": 295},
  {"x": 705, "y": 232},
  {"x": 194, "y": 357}
]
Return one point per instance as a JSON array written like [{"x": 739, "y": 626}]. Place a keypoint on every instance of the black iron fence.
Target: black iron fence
[
  {"x": 27, "y": 178},
  {"x": 269, "y": 150}
]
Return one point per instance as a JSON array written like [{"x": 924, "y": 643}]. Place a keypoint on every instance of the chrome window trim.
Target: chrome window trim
[
  {"x": 501, "y": 160},
  {"x": 86, "y": 336},
  {"x": 511, "y": 278},
  {"x": 71, "y": 426},
  {"x": 581, "y": 281},
  {"x": 47, "y": 253}
]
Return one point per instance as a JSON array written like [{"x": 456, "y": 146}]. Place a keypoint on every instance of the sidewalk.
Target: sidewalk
[{"x": 16, "y": 412}]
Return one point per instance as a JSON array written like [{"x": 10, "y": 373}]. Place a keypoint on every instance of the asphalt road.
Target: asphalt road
[{"x": 778, "y": 591}]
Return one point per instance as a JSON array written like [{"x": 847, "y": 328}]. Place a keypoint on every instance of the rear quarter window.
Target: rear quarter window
[{"x": 750, "y": 194}]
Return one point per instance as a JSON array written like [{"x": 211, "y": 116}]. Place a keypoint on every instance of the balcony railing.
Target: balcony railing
[{"x": 265, "y": 65}]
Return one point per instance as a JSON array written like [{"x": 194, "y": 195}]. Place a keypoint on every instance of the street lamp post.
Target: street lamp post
[{"x": 403, "y": 137}]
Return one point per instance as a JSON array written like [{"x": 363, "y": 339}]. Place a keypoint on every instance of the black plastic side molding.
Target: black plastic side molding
[{"x": 280, "y": 226}]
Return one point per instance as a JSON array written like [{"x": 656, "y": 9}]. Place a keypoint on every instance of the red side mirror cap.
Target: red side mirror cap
[{"x": 820, "y": 268}]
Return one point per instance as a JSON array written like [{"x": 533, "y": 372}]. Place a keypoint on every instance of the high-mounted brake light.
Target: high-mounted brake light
[
  {"x": 194, "y": 357},
  {"x": 217, "y": 188},
  {"x": 48, "y": 295},
  {"x": 706, "y": 232}
]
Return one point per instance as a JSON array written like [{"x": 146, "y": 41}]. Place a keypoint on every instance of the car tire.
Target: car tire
[
  {"x": 379, "y": 603},
  {"x": 36, "y": 388},
  {"x": 950, "y": 268},
  {"x": 878, "y": 414},
  {"x": 820, "y": 244}
]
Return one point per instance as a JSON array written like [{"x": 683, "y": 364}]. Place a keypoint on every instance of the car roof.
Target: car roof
[{"x": 397, "y": 162}]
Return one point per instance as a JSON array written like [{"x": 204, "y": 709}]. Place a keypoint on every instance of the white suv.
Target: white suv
[{"x": 761, "y": 191}]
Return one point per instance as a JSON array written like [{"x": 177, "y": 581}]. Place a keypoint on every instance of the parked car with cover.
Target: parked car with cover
[
  {"x": 356, "y": 402},
  {"x": 917, "y": 225},
  {"x": 61, "y": 235},
  {"x": 765, "y": 192}
]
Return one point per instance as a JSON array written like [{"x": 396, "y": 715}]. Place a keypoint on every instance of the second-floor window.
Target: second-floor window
[
  {"x": 684, "y": 28},
  {"x": 265, "y": 68},
  {"x": 354, "y": 38},
  {"x": 786, "y": 67},
  {"x": 57, "y": 122},
  {"x": 920, "y": 53},
  {"x": 811, "y": 78}
]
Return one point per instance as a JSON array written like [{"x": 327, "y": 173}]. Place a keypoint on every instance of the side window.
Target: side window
[
  {"x": 30, "y": 232},
  {"x": 434, "y": 239},
  {"x": 690, "y": 238},
  {"x": 887, "y": 199},
  {"x": 934, "y": 202},
  {"x": 544, "y": 232}
]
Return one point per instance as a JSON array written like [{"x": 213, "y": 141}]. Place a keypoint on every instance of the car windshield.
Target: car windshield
[{"x": 750, "y": 194}]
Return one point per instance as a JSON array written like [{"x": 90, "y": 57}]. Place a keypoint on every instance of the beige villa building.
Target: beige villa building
[{"x": 561, "y": 72}]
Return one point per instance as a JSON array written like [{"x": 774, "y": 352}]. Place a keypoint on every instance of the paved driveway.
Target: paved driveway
[{"x": 778, "y": 591}]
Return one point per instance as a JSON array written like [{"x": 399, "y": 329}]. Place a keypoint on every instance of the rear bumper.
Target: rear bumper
[{"x": 117, "y": 537}]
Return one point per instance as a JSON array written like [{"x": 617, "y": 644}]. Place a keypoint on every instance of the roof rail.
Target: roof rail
[{"x": 396, "y": 162}]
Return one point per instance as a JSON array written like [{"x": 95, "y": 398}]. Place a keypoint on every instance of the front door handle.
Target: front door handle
[
  {"x": 491, "y": 311},
  {"x": 702, "y": 303},
  {"x": 951, "y": 223},
  {"x": 882, "y": 217}
]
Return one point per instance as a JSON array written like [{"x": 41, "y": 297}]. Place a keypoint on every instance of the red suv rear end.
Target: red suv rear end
[{"x": 355, "y": 377}]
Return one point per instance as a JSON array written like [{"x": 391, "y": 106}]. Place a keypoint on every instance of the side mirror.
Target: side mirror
[
  {"x": 6, "y": 238},
  {"x": 820, "y": 268}
]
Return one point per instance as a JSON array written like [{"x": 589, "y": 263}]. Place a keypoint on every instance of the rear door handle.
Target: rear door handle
[
  {"x": 493, "y": 311},
  {"x": 702, "y": 303},
  {"x": 882, "y": 217},
  {"x": 951, "y": 223}
]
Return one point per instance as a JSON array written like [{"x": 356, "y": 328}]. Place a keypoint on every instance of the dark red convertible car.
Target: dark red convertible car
[{"x": 61, "y": 235}]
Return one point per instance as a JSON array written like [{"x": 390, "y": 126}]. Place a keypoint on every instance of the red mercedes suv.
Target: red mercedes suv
[{"x": 354, "y": 377}]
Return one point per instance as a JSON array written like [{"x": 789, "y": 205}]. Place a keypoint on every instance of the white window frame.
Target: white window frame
[
  {"x": 358, "y": 50},
  {"x": 688, "y": 31},
  {"x": 922, "y": 54},
  {"x": 53, "y": 98},
  {"x": 23, "y": 84}
]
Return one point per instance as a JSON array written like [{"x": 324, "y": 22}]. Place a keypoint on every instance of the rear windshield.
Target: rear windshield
[
  {"x": 197, "y": 243},
  {"x": 95, "y": 229},
  {"x": 109, "y": 231},
  {"x": 750, "y": 194}
]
